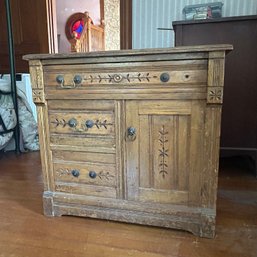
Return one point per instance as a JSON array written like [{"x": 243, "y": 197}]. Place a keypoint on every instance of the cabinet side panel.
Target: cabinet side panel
[
  {"x": 37, "y": 83},
  {"x": 211, "y": 156},
  {"x": 196, "y": 151},
  {"x": 46, "y": 158},
  {"x": 212, "y": 128}
]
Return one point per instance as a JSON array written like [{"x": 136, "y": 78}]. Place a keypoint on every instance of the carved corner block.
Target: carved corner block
[
  {"x": 48, "y": 204},
  {"x": 38, "y": 96},
  {"x": 214, "y": 95}
]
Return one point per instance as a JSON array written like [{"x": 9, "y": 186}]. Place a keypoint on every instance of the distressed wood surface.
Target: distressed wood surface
[{"x": 145, "y": 122}]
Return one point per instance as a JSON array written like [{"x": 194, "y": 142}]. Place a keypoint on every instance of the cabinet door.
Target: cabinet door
[{"x": 164, "y": 144}]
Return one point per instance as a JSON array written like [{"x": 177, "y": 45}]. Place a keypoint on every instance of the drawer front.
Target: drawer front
[
  {"x": 92, "y": 174},
  {"x": 60, "y": 156},
  {"x": 89, "y": 190},
  {"x": 65, "y": 80},
  {"x": 118, "y": 82},
  {"x": 82, "y": 125},
  {"x": 82, "y": 122},
  {"x": 93, "y": 144}
]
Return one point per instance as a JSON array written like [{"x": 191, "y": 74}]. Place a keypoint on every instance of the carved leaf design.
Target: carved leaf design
[
  {"x": 59, "y": 122},
  {"x": 110, "y": 78},
  {"x": 163, "y": 151},
  {"x": 106, "y": 175},
  {"x": 100, "y": 124},
  {"x": 63, "y": 172}
]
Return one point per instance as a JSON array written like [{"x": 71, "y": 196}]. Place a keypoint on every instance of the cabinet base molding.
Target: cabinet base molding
[{"x": 199, "y": 221}]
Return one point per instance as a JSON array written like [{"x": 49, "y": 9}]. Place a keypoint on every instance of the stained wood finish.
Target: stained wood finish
[
  {"x": 136, "y": 140},
  {"x": 238, "y": 131}
]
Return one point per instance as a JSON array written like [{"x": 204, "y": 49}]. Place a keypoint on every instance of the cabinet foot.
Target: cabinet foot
[
  {"x": 207, "y": 228},
  {"x": 48, "y": 204}
]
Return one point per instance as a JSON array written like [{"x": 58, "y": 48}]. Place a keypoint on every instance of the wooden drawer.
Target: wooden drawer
[
  {"x": 85, "y": 157},
  {"x": 82, "y": 122},
  {"x": 67, "y": 80},
  {"x": 98, "y": 144},
  {"x": 85, "y": 173},
  {"x": 83, "y": 81},
  {"x": 92, "y": 174}
]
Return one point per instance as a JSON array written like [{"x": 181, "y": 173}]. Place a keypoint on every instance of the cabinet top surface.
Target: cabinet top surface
[
  {"x": 216, "y": 20},
  {"x": 137, "y": 52}
]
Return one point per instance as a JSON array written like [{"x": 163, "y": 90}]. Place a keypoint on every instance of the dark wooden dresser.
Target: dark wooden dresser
[
  {"x": 132, "y": 136},
  {"x": 239, "y": 115}
]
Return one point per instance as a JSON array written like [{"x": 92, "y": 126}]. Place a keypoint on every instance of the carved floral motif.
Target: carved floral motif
[
  {"x": 106, "y": 175},
  {"x": 100, "y": 124},
  {"x": 163, "y": 151},
  {"x": 63, "y": 172},
  {"x": 67, "y": 172},
  {"x": 117, "y": 78},
  {"x": 38, "y": 96},
  {"x": 215, "y": 94},
  {"x": 60, "y": 122}
]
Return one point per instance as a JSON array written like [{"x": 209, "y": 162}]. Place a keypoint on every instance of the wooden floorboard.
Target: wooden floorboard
[{"x": 25, "y": 231}]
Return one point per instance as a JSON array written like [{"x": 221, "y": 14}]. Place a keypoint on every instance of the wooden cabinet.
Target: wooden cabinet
[
  {"x": 132, "y": 136},
  {"x": 239, "y": 115}
]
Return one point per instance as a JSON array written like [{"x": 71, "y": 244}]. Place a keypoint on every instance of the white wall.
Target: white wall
[{"x": 148, "y": 15}]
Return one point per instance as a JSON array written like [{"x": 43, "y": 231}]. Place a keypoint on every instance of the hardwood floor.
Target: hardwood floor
[{"x": 24, "y": 231}]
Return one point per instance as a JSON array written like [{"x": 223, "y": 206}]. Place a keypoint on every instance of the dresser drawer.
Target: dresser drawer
[
  {"x": 82, "y": 118},
  {"x": 94, "y": 144},
  {"x": 83, "y": 81},
  {"x": 82, "y": 122},
  {"x": 60, "y": 156},
  {"x": 92, "y": 174}
]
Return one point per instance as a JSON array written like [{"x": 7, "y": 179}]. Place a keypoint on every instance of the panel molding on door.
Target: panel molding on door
[{"x": 159, "y": 160}]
